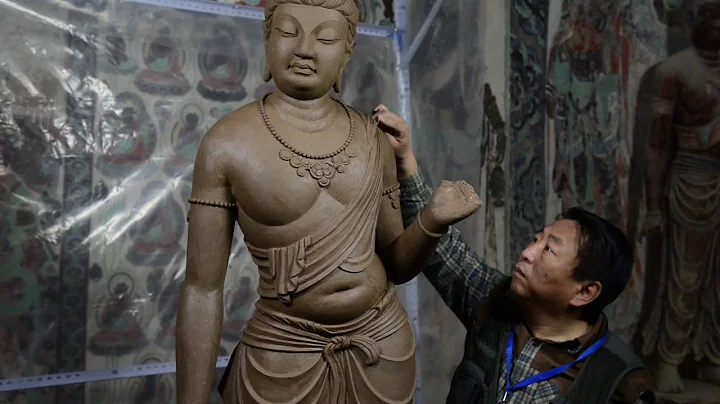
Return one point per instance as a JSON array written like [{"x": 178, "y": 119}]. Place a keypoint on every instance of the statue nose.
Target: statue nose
[{"x": 302, "y": 50}]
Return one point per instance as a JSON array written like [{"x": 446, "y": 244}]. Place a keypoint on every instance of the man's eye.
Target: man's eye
[
  {"x": 547, "y": 248},
  {"x": 328, "y": 41}
]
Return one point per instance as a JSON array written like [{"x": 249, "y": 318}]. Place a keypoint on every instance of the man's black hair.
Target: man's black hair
[{"x": 604, "y": 255}]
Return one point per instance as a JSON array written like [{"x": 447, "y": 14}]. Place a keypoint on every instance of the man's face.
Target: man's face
[
  {"x": 306, "y": 49},
  {"x": 543, "y": 275}
]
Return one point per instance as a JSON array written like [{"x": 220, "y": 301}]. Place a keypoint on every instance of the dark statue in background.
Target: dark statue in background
[{"x": 683, "y": 197}]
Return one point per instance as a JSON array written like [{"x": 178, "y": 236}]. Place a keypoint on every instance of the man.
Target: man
[{"x": 547, "y": 316}]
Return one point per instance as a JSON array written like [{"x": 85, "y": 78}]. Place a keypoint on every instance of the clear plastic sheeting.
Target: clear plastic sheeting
[
  {"x": 451, "y": 138},
  {"x": 102, "y": 107}
]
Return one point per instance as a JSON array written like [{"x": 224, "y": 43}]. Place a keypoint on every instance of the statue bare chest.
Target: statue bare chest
[
  {"x": 297, "y": 193},
  {"x": 699, "y": 95}
]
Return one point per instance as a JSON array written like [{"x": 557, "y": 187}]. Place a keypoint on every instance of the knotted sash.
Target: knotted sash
[{"x": 270, "y": 330}]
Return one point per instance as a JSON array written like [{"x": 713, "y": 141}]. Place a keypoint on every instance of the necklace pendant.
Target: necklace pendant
[
  {"x": 321, "y": 171},
  {"x": 504, "y": 398},
  {"x": 320, "y": 167}
]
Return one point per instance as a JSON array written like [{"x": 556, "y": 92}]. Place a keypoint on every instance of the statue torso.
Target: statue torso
[
  {"x": 277, "y": 207},
  {"x": 697, "y": 113}
]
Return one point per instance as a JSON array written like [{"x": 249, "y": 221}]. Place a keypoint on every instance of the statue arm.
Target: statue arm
[
  {"x": 404, "y": 253},
  {"x": 661, "y": 139},
  {"x": 200, "y": 310}
]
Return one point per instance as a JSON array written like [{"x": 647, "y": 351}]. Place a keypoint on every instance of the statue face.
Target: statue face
[
  {"x": 306, "y": 49},
  {"x": 707, "y": 32}
]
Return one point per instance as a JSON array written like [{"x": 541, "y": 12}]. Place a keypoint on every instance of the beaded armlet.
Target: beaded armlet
[
  {"x": 393, "y": 193},
  {"x": 196, "y": 201}
]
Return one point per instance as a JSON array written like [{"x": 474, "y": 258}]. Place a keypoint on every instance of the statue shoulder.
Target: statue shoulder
[
  {"x": 237, "y": 124},
  {"x": 226, "y": 133},
  {"x": 360, "y": 116},
  {"x": 242, "y": 119},
  {"x": 373, "y": 132},
  {"x": 364, "y": 123},
  {"x": 675, "y": 65}
]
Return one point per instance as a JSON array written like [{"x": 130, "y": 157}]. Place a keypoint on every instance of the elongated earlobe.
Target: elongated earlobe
[
  {"x": 267, "y": 76},
  {"x": 338, "y": 83}
]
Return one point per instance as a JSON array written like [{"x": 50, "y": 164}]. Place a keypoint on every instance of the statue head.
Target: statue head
[
  {"x": 705, "y": 25},
  {"x": 308, "y": 43}
]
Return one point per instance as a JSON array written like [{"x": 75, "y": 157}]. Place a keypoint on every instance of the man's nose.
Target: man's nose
[{"x": 531, "y": 253}]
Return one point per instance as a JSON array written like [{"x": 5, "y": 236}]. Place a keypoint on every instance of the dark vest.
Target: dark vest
[{"x": 476, "y": 378}]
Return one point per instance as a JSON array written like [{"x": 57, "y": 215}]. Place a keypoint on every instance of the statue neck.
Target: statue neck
[
  {"x": 320, "y": 111},
  {"x": 712, "y": 57}
]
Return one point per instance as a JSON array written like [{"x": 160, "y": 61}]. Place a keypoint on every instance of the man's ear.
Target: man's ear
[{"x": 588, "y": 292}]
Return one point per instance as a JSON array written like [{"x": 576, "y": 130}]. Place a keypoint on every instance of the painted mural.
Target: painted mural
[{"x": 377, "y": 12}]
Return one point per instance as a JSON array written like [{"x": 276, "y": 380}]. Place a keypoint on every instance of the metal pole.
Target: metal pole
[{"x": 422, "y": 32}]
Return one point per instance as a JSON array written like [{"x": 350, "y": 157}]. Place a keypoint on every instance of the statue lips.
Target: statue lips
[{"x": 302, "y": 68}]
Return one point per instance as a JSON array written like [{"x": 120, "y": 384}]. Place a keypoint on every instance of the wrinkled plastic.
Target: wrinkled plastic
[
  {"x": 454, "y": 141},
  {"x": 102, "y": 107}
]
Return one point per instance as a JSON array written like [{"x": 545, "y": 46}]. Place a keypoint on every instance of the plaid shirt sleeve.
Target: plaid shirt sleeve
[{"x": 461, "y": 278}]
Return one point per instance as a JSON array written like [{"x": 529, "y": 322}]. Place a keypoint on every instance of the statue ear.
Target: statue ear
[
  {"x": 267, "y": 76},
  {"x": 338, "y": 83}
]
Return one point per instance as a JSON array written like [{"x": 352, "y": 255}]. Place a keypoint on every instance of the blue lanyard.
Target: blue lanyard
[{"x": 546, "y": 375}]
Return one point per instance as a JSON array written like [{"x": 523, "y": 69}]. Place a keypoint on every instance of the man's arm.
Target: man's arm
[
  {"x": 662, "y": 139},
  {"x": 458, "y": 274},
  {"x": 200, "y": 310}
]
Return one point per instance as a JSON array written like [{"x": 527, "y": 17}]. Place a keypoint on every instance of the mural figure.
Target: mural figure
[
  {"x": 223, "y": 65},
  {"x": 119, "y": 319},
  {"x": 186, "y": 136},
  {"x": 127, "y": 136},
  {"x": 164, "y": 58},
  {"x": 683, "y": 202},
  {"x": 588, "y": 86},
  {"x": 116, "y": 59},
  {"x": 157, "y": 235}
]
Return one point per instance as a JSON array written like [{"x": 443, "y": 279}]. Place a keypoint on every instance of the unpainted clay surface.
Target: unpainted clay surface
[{"x": 312, "y": 184}]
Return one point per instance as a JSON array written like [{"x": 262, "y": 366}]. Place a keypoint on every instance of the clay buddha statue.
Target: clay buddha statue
[
  {"x": 683, "y": 203},
  {"x": 311, "y": 183}
]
